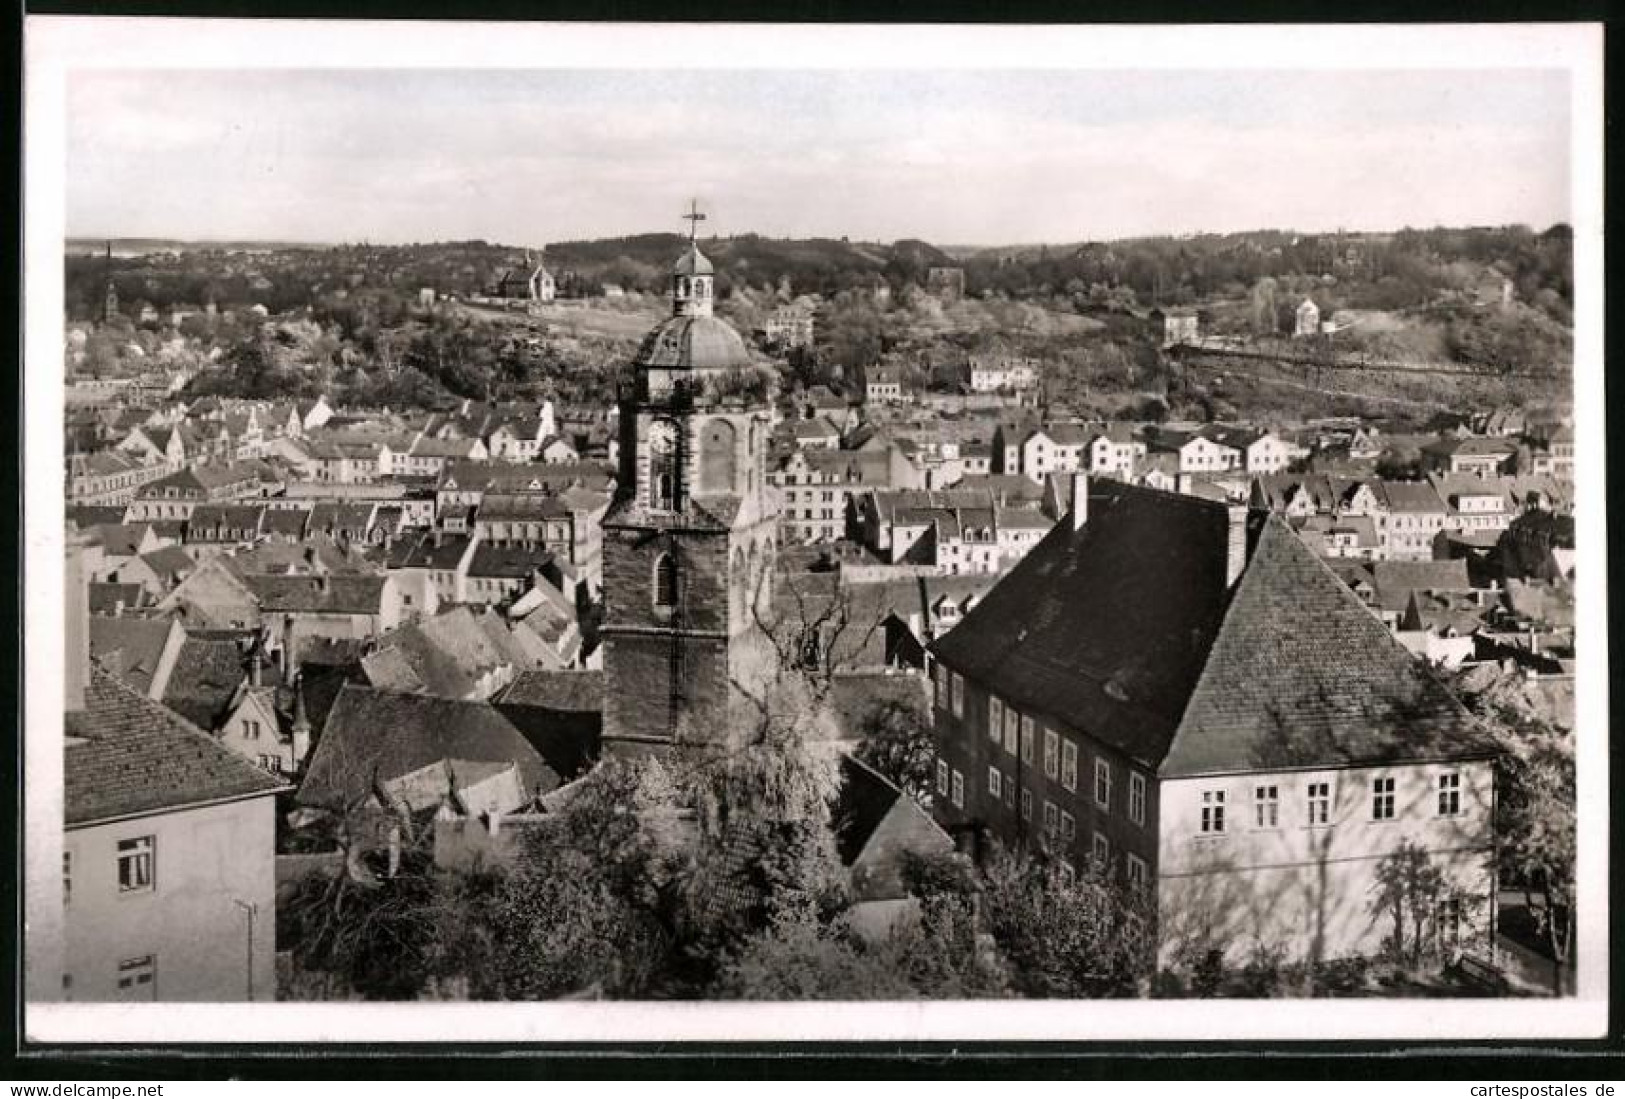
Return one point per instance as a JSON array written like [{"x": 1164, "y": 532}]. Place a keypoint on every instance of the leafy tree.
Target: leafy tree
[
  {"x": 1070, "y": 936},
  {"x": 897, "y": 743},
  {"x": 1534, "y": 806}
]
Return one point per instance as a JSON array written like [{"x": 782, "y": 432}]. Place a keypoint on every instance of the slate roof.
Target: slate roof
[
  {"x": 506, "y": 562},
  {"x": 1125, "y": 632},
  {"x": 864, "y": 799},
  {"x": 427, "y": 550},
  {"x": 223, "y": 522},
  {"x": 497, "y": 506},
  {"x": 132, "y": 646},
  {"x": 85, "y": 516},
  {"x": 373, "y": 736},
  {"x": 120, "y": 539},
  {"x": 108, "y": 598},
  {"x": 209, "y": 669},
  {"x": 318, "y": 594},
  {"x": 1105, "y": 629},
  {"x": 444, "y": 655},
  {"x": 289, "y": 522},
  {"x": 1410, "y": 496},
  {"x": 566, "y": 692},
  {"x": 1395, "y": 580},
  {"x": 126, "y": 754},
  {"x": 1301, "y": 675},
  {"x": 197, "y": 481}
]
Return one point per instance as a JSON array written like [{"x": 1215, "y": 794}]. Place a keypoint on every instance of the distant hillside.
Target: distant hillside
[
  {"x": 818, "y": 265},
  {"x": 142, "y": 246}
]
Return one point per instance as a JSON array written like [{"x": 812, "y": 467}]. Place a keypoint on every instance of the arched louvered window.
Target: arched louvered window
[{"x": 666, "y": 581}]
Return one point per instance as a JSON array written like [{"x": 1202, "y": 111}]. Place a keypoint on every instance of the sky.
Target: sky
[{"x": 953, "y": 157}]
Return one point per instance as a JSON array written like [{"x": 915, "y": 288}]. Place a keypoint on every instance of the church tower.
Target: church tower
[
  {"x": 689, "y": 541},
  {"x": 110, "y": 299}
]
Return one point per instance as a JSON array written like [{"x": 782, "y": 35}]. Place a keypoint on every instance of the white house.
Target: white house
[{"x": 1220, "y": 722}]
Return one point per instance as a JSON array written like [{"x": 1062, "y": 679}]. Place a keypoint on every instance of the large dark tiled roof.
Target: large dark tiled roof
[
  {"x": 1303, "y": 675},
  {"x": 1105, "y": 629},
  {"x": 374, "y": 736},
  {"x": 126, "y": 755}
]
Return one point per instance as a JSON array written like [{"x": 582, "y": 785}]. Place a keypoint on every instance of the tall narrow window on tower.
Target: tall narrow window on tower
[
  {"x": 664, "y": 467},
  {"x": 666, "y": 582}
]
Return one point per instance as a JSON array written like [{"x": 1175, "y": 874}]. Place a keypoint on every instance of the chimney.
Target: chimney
[
  {"x": 1080, "y": 500},
  {"x": 1235, "y": 543}
]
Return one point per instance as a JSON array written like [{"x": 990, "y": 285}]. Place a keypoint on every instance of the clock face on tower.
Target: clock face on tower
[{"x": 662, "y": 438}]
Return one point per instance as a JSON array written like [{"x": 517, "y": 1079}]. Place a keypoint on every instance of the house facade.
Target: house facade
[
  {"x": 168, "y": 882},
  {"x": 1220, "y": 723}
]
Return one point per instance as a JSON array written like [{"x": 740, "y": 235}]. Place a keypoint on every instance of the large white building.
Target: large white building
[
  {"x": 1182, "y": 694},
  {"x": 169, "y": 848}
]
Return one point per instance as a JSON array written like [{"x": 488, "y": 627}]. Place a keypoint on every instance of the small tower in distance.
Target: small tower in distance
[{"x": 110, "y": 299}]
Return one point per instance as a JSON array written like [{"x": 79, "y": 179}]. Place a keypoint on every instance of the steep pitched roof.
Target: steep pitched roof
[
  {"x": 133, "y": 647},
  {"x": 126, "y": 754},
  {"x": 374, "y": 736},
  {"x": 169, "y": 562},
  {"x": 444, "y": 655},
  {"x": 428, "y": 550},
  {"x": 209, "y": 669},
  {"x": 111, "y": 598},
  {"x": 120, "y": 539},
  {"x": 564, "y": 691},
  {"x": 318, "y": 594},
  {"x": 1302, "y": 675},
  {"x": 864, "y": 799},
  {"x": 286, "y": 521},
  {"x": 1105, "y": 629}
]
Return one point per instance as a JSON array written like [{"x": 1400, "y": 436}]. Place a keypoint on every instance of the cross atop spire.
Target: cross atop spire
[{"x": 693, "y": 217}]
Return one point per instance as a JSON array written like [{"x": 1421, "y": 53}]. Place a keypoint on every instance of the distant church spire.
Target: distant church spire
[{"x": 110, "y": 301}]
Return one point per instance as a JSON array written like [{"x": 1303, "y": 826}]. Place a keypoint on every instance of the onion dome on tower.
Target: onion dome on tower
[{"x": 692, "y": 338}]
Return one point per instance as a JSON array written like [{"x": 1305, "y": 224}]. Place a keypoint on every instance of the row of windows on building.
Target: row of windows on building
[
  {"x": 1317, "y": 802},
  {"x": 1060, "y": 827},
  {"x": 1016, "y": 734}
]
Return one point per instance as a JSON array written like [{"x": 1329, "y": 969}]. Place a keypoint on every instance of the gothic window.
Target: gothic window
[{"x": 666, "y": 581}]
